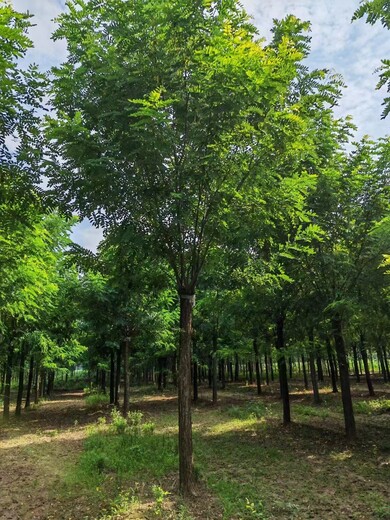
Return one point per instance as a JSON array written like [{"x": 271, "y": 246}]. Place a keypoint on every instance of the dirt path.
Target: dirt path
[{"x": 34, "y": 453}]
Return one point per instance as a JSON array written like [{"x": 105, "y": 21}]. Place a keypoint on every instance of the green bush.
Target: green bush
[{"x": 131, "y": 424}]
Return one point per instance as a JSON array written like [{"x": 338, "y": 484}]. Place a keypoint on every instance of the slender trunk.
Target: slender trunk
[
  {"x": 266, "y": 369},
  {"x": 386, "y": 362},
  {"x": 236, "y": 368},
  {"x": 313, "y": 373},
  {"x": 195, "y": 381},
  {"x": 306, "y": 382},
  {"x": 231, "y": 376},
  {"x": 349, "y": 418},
  {"x": 184, "y": 393},
  {"x": 214, "y": 369},
  {"x": 331, "y": 366},
  {"x": 112, "y": 376},
  {"x": 363, "y": 353},
  {"x": 18, "y": 409},
  {"x": 290, "y": 367},
  {"x": 355, "y": 362},
  {"x": 126, "y": 373},
  {"x": 250, "y": 372},
  {"x": 271, "y": 366},
  {"x": 210, "y": 371},
  {"x": 2, "y": 383},
  {"x": 257, "y": 365},
  {"x": 160, "y": 375},
  {"x": 282, "y": 370},
  {"x": 319, "y": 369},
  {"x": 36, "y": 384},
  {"x": 118, "y": 375},
  {"x": 223, "y": 376},
  {"x": 29, "y": 382},
  {"x": 7, "y": 385}
]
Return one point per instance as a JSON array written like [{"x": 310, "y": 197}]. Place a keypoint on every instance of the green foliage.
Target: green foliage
[
  {"x": 374, "y": 406},
  {"x": 96, "y": 400},
  {"x": 132, "y": 424},
  {"x": 159, "y": 496}
]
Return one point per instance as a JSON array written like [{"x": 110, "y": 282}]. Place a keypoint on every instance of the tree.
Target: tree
[{"x": 165, "y": 112}]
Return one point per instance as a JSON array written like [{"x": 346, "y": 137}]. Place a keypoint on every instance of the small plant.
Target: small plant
[
  {"x": 255, "y": 509},
  {"x": 96, "y": 399},
  {"x": 131, "y": 424},
  {"x": 374, "y": 406},
  {"x": 118, "y": 422},
  {"x": 159, "y": 496}
]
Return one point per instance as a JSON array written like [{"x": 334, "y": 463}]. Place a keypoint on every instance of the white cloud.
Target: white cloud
[{"x": 87, "y": 235}]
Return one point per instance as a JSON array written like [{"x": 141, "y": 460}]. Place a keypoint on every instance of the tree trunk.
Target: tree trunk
[
  {"x": 331, "y": 366},
  {"x": 18, "y": 409},
  {"x": 319, "y": 369},
  {"x": 282, "y": 370},
  {"x": 236, "y": 368},
  {"x": 214, "y": 369},
  {"x": 355, "y": 362},
  {"x": 266, "y": 369},
  {"x": 29, "y": 382},
  {"x": 250, "y": 372},
  {"x": 304, "y": 373},
  {"x": 126, "y": 373},
  {"x": 184, "y": 394},
  {"x": 257, "y": 365},
  {"x": 349, "y": 418},
  {"x": 313, "y": 373},
  {"x": 363, "y": 353},
  {"x": 112, "y": 376},
  {"x": 36, "y": 383},
  {"x": 195, "y": 381},
  {"x": 386, "y": 362},
  {"x": 118, "y": 375},
  {"x": 7, "y": 386},
  {"x": 210, "y": 371},
  {"x": 223, "y": 375}
]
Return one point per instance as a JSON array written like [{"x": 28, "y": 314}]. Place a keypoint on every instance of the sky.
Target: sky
[{"x": 353, "y": 50}]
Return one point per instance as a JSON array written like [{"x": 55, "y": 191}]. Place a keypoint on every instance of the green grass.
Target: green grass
[
  {"x": 373, "y": 406},
  {"x": 96, "y": 400}
]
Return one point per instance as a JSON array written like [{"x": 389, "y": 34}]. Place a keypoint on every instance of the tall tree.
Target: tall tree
[{"x": 165, "y": 112}]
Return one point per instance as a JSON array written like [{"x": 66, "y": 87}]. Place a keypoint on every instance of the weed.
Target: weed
[
  {"x": 374, "y": 406},
  {"x": 159, "y": 497},
  {"x": 96, "y": 399}
]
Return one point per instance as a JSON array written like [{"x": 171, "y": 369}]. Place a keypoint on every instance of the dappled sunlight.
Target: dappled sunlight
[{"x": 234, "y": 425}]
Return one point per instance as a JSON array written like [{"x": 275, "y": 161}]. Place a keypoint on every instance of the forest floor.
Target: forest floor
[{"x": 65, "y": 460}]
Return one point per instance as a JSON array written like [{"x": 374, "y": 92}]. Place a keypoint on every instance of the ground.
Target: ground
[{"x": 65, "y": 461}]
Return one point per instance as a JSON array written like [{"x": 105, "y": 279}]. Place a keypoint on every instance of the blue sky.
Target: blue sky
[{"x": 351, "y": 49}]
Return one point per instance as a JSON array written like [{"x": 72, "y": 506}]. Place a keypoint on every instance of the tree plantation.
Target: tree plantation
[{"x": 225, "y": 352}]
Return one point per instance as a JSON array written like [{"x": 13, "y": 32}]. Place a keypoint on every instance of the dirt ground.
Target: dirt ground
[{"x": 37, "y": 450}]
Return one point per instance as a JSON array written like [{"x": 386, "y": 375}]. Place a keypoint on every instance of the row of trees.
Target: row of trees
[{"x": 216, "y": 167}]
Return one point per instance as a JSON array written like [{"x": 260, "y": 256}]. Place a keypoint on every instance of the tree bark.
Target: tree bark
[
  {"x": 282, "y": 370},
  {"x": 112, "y": 376},
  {"x": 214, "y": 369},
  {"x": 363, "y": 353},
  {"x": 266, "y": 369},
  {"x": 355, "y": 363},
  {"x": 349, "y": 418},
  {"x": 331, "y": 366},
  {"x": 18, "y": 409},
  {"x": 184, "y": 394},
  {"x": 126, "y": 373},
  {"x": 313, "y": 373},
  {"x": 236, "y": 368},
  {"x": 306, "y": 382},
  {"x": 257, "y": 365},
  {"x": 118, "y": 375},
  {"x": 29, "y": 382},
  {"x": 7, "y": 385}
]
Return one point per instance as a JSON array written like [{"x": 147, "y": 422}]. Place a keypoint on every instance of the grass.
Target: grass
[
  {"x": 96, "y": 400},
  {"x": 248, "y": 466}
]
